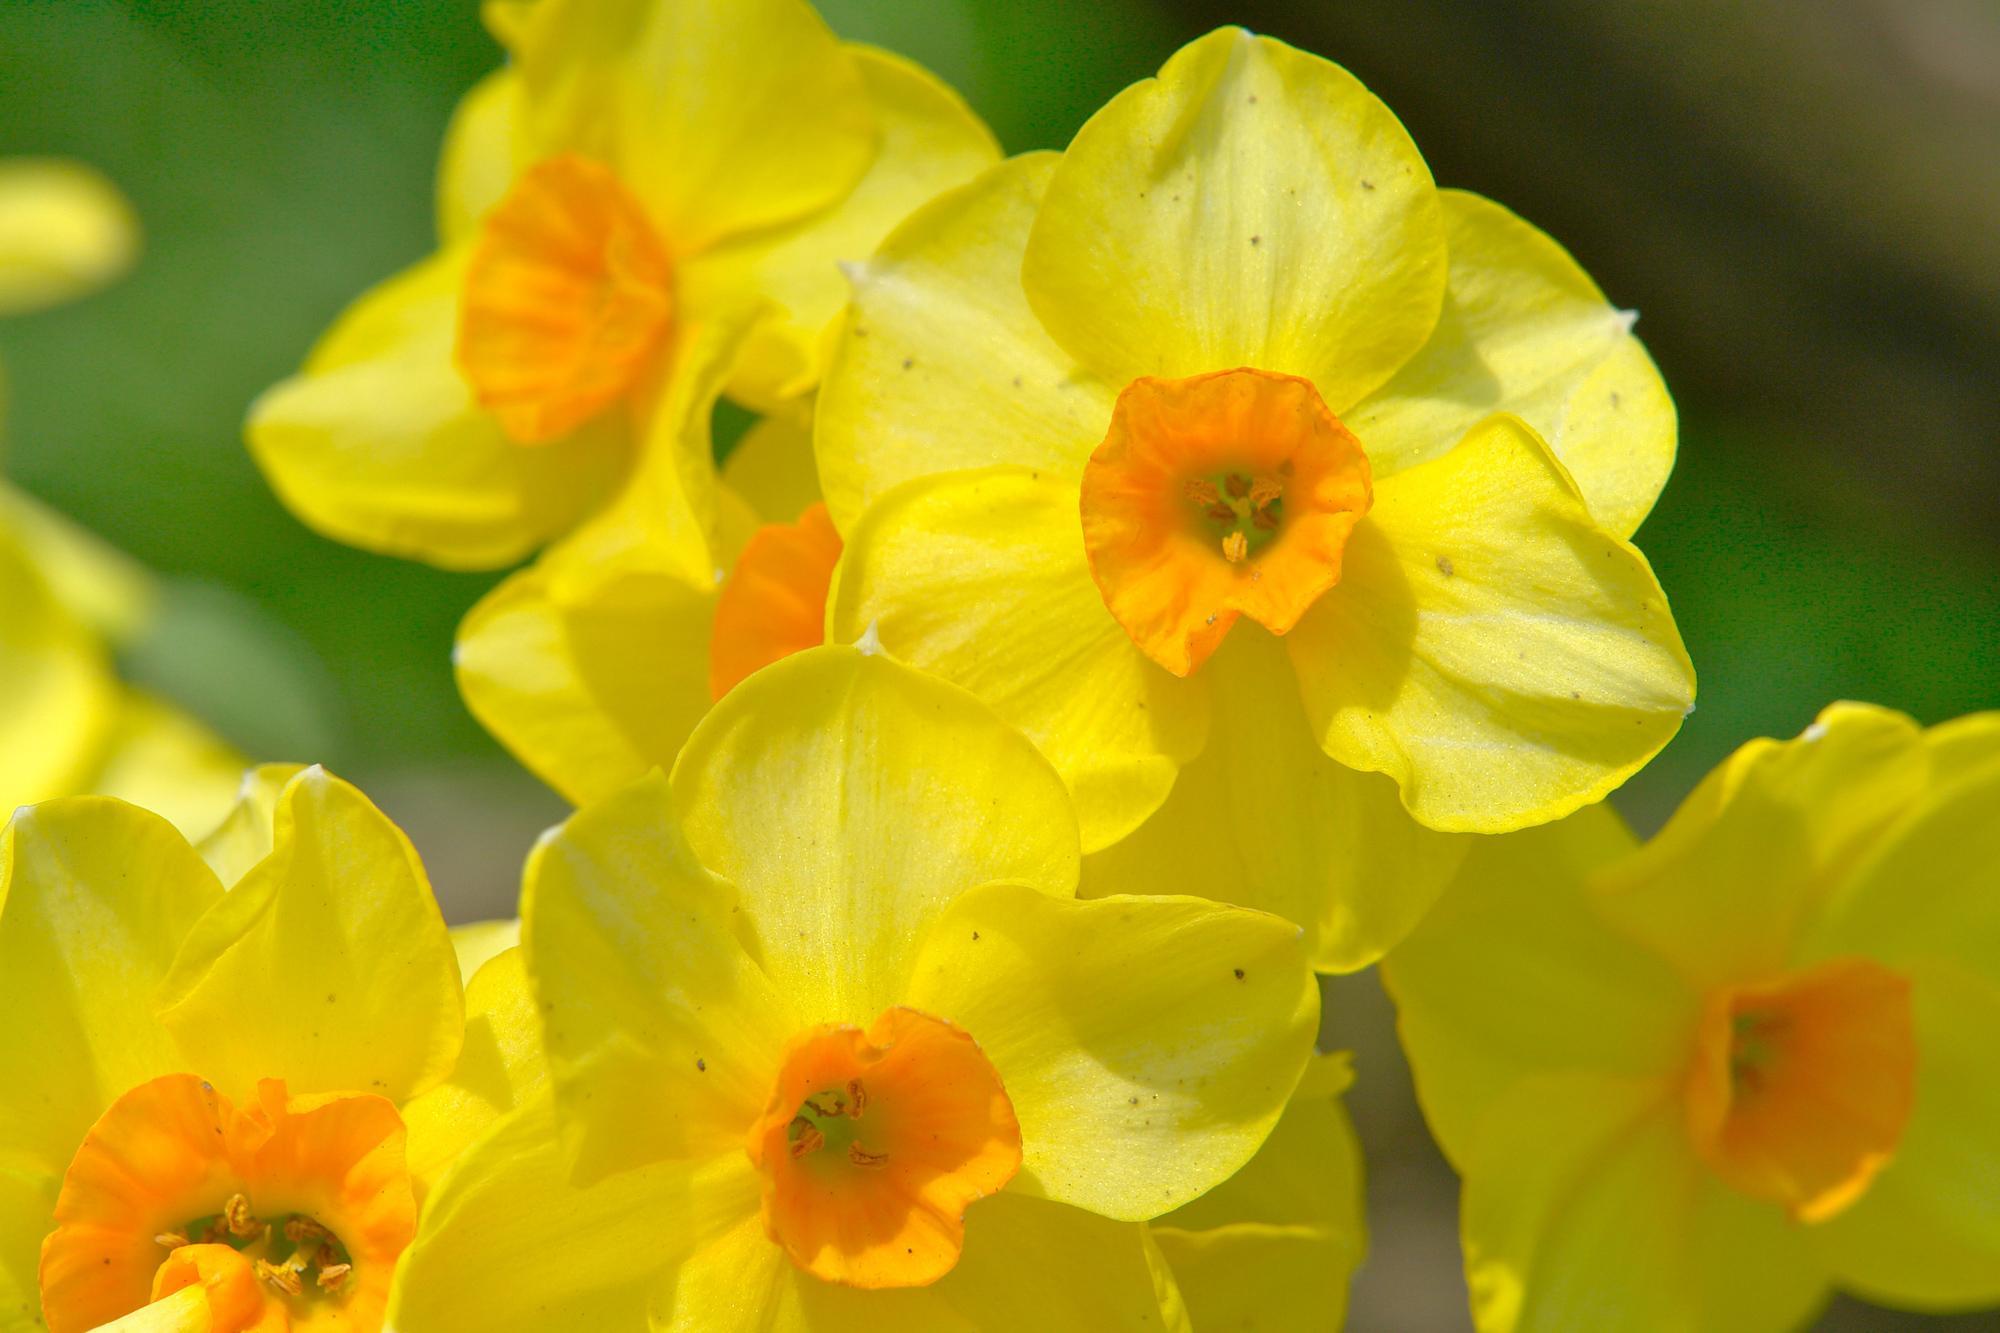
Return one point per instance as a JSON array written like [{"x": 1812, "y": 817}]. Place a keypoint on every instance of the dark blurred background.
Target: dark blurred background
[{"x": 1801, "y": 197}]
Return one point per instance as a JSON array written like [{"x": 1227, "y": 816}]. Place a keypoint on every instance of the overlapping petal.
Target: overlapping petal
[
  {"x": 478, "y": 162},
  {"x": 500, "y": 1069},
  {"x": 1524, "y": 330},
  {"x": 1263, "y": 818},
  {"x": 1147, "y": 1044},
  {"x": 378, "y": 442},
  {"x": 849, "y": 799},
  {"x": 942, "y": 365},
  {"x": 160, "y": 758},
  {"x": 722, "y": 118},
  {"x": 61, "y": 698},
  {"x": 327, "y": 961},
  {"x": 1489, "y": 646},
  {"x": 981, "y": 578},
  {"x": 1254, "y": 205},
  {"x": 931, "y": 142}
]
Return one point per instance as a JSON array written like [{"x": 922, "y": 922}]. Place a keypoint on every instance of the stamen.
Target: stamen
[
  {"x": 173, "y": 1240},
  {"x": 1238, "y": 484},
  {"x": 282, "y": 1276},
  {"x": 299, "y": 1229},
  {"x": 240, "y": 1220},
  {"x": 333, "y": 1276},
  {"x": 1234, "y": 547},
  {"x": 860, "y": 1156},
  {"x": 805, "y": 1137},
  {"x": 1202, "y": 491},
  {"x": 857, "y": 1099}
]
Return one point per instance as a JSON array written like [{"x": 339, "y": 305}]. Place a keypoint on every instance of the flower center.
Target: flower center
[
  {"x": 567, "y": 298},
  {"x": 290, "y": 1213},
  {"x": 773, "y": 603},
  {"x": 1221, "y": 495},
  {"x": 874, "y": 1144},
  {"x": 1801, "y": 1087}
]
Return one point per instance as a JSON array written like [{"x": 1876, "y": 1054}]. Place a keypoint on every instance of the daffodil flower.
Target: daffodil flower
[
  {"x": 247, "y": 1093},
  {"x": 1232, "y": 356},
  {"x": 649, "y": 202},
  {"x": 834, "y": 1045},
  {"x": 593, "y": 666},
  {"x": 68, "y": 724},
  {"x": 1697, "y": 1084}
]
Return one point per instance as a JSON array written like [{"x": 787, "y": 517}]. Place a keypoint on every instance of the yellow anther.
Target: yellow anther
[
  {"x": 333, "y": 1276},
  {"x": 1238, "y": 484},
  {"x": 1264, "y": 490},
  {"x": 299, "y": 1229},
  {"x": 857, "y": 1099},
  {"x": 240, "y": 1220},
  {"x": 173, "y": 1240},
  {"x": 809, "y": 1140},
  {"x": 282, "y": 1276},
  {"x": 1234, "y": 547},
  {"x": 860, "y": 1156},
  {"x": 1202, "y": 491}
]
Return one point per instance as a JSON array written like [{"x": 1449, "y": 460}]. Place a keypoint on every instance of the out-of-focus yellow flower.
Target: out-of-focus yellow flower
[
  {"x": 593, "y": 666},
  {"x": 834, "y": 1045},
  {"x": 64, "y": 231},
  {"x": 647, "y": 204},
  {"x": 244, "y": 1093},
  {"x": 1692, "y": 1085},
  {"x": 1232, "y": 355},
  {"x": 67, "y": 723}
]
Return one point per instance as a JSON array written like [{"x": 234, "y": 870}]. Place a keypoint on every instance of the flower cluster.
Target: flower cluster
[{"x": 1163, "y": 570}]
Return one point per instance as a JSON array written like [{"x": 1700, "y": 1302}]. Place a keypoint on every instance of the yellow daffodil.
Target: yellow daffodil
[
  {"x": 67, "y": 723},
  {"x": 593, "y": 665},
  {"x": 1696, "y": 1084},
  {"x": 64, "y": 231},
  {"x": 834, "y": 1045},
  {"x": 241, "y": 1093},
  {"x": 1232, "y": 355},
  {"x": 646, "y": 204}
]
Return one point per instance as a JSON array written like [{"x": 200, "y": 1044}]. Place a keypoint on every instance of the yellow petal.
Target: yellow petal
[
  {"x": 478, "y": 943},
  {"x": 720, "y": 118},
  {"x": 186, "y": 1311},
  {"x": 61, "y": 697},
  {"x": 64, "y": 231},
  {"x": 108, "y": 590},
  {"x": 1274, "y": 1246},
  {"x": 1961, "y": 745},
  {"x": 1584, "y": 1208},
  {"x": 1109, "y": 1274},
  {"x": 1252, "y": 206},
  {"x": 378, "y": 442},
  {"x": 95, "y": 898},
  {"x": 1523, "y": 330},
  {"x": 589, "y": 683},
  {"x": 1725, "y": 889},
  {"x": 931, "y": 142},
  {"x": 648, "y": 997},
  {"x": 1489, "y": 646},
  {"x": 981, "y": 578},
  {"x": 478, "y": 164},
  {"x": 850, "y": 799},
  {"x": 1514, "y": 974},
  {"x": 1085, "y": 1008},
  {"x": 158, "y": 757},
  {"x": 1926, "y": 1235},
  {"x": 942, "y": 365},
  {"x": 509, "y": 1245},
  {"x": 1262, "y": 818},
  {"x": 327, "y": 965},
  {"x": 500, "y": 1069},
  {"x": 27, "y": 1213},
  {"x": 243, "y": 837},
  {"x": 772, "y": 469}
]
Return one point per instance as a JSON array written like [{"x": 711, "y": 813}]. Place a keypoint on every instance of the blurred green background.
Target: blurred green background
[{"x": 1801, "y": 199}]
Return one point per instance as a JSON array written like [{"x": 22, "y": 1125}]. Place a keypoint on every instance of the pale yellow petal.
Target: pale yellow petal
[
  {"x": 378, "y": 441},
  {"x": 27, "y": 1213},
  {"x": 931, "y": 142},
  {"x": 500, "y": 1069},
  {"x": 1264, "y": 819},
  {"x": 243, "y": 837},
  {"x": 96, "y": 897},
  {"x": 1148, "y": 1044},
  {"x": 850, "y": 799},
  {"x": 648, "y": 996},
  {"x": 772, "y": 469},
  {"x": 942, "y": 365},
  {"x": 64, "y": 231},
  {"x": 1524, "y": 330},
  {"x": 1254, "y": 205},
  {"x": 981, "y": 578},
  {"x": 61, "y": 697},
  {"x": 1489, "y": 646},
  {"x": 108, "y": 590},
  {"x": 327, "y": 965},
  {"x": 1514, "y": 975},
  {"x": 478, "y": 943},
  {"x": 159, "y": 757},
  {"x": 721, "y": 118},
  {"x": 478, "y": 162},
  {"x": 1963, "y": 744}
]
